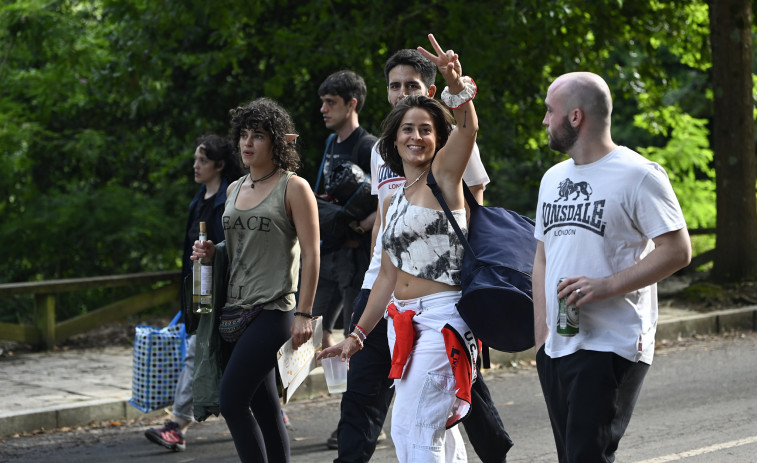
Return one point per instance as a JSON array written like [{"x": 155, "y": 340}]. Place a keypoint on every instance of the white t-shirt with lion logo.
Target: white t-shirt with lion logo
[{"x": 596, "y": 220}]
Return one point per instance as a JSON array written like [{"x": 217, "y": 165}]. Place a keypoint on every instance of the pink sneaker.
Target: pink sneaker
[
  {"x": 287, "y": 423},
  {"x": 168, "y": 436}
]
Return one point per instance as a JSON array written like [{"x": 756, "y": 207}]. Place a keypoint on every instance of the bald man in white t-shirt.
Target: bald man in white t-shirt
[{"x": 609, "y": 227}]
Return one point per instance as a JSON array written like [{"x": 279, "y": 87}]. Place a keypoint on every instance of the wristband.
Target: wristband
[
  {"x": 357, "y": 338},
  {"x": 359, "y": 329},
  {"x": 459, "y": 99},
  {"x": 303, "y": 314}
]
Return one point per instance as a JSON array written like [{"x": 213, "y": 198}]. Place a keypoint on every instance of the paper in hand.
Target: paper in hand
[{"x": 295, "y": 365}]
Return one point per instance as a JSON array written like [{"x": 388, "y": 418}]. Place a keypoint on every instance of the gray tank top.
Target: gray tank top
[
  {"x": 263, "y": 250},
  {"x": 421, "y": 241}
]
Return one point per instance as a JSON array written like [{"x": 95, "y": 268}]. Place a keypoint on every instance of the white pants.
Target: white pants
[{"x": 425, "y": 395}]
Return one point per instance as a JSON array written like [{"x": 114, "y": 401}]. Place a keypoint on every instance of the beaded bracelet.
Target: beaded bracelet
[
  {"x": 357, "y": 338},
  {"x": 303, "y": 314},
  {"x": 359, "y": 329},
  {"x": 459, "y": 99}
]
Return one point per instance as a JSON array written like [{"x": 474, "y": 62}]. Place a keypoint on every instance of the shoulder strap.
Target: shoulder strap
[
  {"x": 329, "y": 143},
  {"x": 469, "y": 198},
  {"x": 472, "y": 203}
]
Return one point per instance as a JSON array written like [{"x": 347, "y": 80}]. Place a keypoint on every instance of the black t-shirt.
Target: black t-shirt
[
  {"x": 202, "y": 212},
  {"x": 338, "y": 153}
]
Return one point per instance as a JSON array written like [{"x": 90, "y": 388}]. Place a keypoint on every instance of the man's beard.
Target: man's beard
[{"x": 566, "y": 138}]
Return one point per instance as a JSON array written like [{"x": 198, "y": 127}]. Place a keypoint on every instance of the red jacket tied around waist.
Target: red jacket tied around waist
[{"x": 462, "y": 352}]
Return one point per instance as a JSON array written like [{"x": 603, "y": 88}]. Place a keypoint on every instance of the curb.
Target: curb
[
  {"x": 722, "y": 321},
  {"x": 80, "y": 414},
  {"x": 84, "y": 413}
]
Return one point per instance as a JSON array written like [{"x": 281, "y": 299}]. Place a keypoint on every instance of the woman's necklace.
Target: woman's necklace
[
  {"x": 406, "y": 186},
  {"x": 263, "y": 178}
]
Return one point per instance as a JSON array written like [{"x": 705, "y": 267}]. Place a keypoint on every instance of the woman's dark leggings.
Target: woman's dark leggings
[{"x": 249, "y": 396}]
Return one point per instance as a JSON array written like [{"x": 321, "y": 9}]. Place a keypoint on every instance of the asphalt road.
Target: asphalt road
[{"x": 698, "y": 405}]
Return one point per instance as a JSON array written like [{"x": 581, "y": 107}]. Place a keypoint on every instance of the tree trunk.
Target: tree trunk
[{"x": 733, "y": 140}]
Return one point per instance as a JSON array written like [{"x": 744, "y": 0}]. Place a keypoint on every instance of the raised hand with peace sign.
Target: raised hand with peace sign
[
  {"x": 452, "y": 159},
  {"x": 448, "y": 63}
]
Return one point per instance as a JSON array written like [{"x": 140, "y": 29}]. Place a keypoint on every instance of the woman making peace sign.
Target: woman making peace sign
[{"x": 433, "y": 351}]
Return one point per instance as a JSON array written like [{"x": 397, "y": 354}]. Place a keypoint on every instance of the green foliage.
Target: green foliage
[
  {"x": 688, "y": 160},
  {"x": 62, "y": 233}
]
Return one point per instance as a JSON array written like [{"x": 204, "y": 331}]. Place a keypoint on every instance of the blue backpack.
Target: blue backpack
[{"x": 496, "y": 302}]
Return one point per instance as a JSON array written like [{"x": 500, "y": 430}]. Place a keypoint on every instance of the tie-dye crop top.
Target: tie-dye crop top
[{"x": 421, "y": 241}]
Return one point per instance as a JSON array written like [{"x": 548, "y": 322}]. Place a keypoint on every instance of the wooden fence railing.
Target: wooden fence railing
[{"x": 47, "y": 332}]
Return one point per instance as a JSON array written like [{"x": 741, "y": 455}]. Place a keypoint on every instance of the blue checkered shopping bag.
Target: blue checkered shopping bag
[{"x": 157, "y": 361}]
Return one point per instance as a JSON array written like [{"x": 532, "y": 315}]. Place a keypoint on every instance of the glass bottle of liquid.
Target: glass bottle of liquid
[{"x": 202, "y": 277}]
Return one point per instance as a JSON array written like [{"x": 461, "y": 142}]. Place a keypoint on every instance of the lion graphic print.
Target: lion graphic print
[{"x": 567, "y": 187}]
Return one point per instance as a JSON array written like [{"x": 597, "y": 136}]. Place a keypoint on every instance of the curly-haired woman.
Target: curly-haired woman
[{"x": 270, "y": 220}]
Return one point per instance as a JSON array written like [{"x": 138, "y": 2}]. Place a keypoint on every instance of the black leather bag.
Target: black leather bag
[
  {"x": 350, "y": 187},
  {"x": 496, "y": 302}
]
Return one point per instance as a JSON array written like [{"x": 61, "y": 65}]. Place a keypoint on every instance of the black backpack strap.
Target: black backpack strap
[
  {"x": 469, "y": 198},
  {"x": 329, "y": 144},
  {"x": 367, "y": 136},
  {"x": 431, "y": 182}
]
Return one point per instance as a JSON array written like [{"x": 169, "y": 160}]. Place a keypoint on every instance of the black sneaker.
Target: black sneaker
[
  {"x": 168, "y": 436},
  {"x": 332, "y": 441}
]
